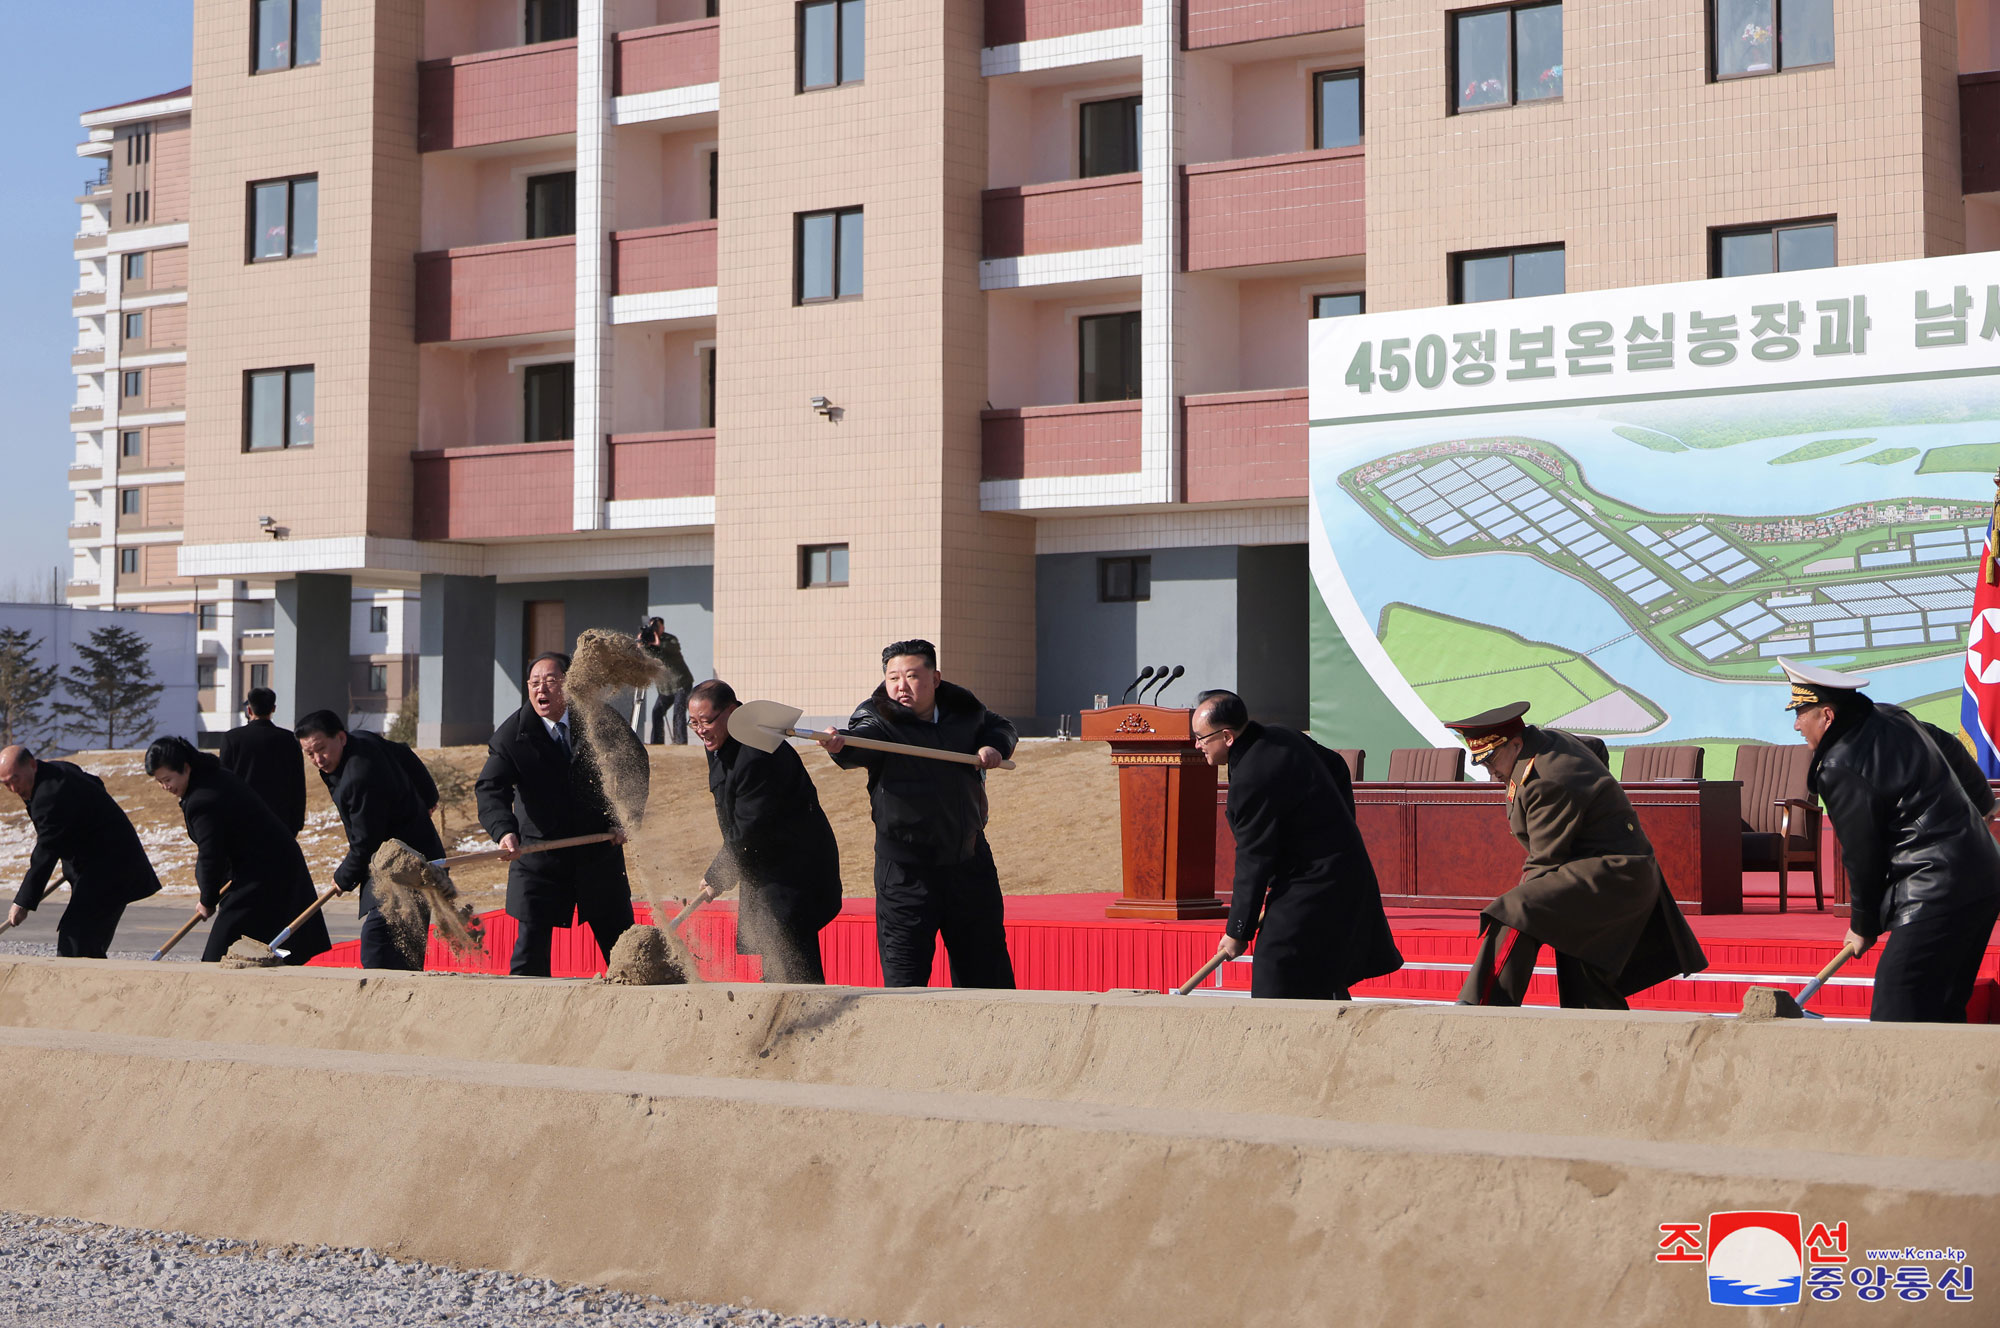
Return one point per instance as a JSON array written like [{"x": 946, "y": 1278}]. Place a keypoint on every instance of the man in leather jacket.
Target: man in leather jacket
[
  {"x": 1921, "y": 864},
  {"x": 934, "y": 872}
]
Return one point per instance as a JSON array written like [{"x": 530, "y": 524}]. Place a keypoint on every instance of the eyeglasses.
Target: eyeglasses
[{"x": 1201, "y": 738}]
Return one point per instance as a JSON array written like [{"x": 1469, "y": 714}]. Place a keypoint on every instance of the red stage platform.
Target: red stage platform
[{"x": 1065, "y": 943}]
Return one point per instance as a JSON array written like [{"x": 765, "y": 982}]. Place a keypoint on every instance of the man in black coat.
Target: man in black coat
[
  {"x": 238, "y": 843},
  {"x": 1921, "y": 864},
  {"x": 78, "y": 824},
  {"x": 266, "y": 758},
  {"x": 934, "y": 872},
  {"x": 382, "y": 792},
  {"x": 1300, "y": 861},
  {"x": 776, "y": 843},
  {"x": 536, "y": 785}
]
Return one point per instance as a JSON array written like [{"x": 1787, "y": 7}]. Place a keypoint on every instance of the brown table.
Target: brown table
[{"x": 1448, "y": 846}]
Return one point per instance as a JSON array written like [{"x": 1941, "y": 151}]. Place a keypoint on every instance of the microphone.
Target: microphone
[
  {"x": 1179, "y": 669},
  {"x": 1160, "y": 676},
  {"x": 1144, "y": 674}
]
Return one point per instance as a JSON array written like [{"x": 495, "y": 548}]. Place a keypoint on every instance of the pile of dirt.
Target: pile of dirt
[
  {"x": 248, "y": 952},
  {"x": 648, "y": 957},
  {"x": 413, "y": 895},
  {"x": 606, "y": 662}
]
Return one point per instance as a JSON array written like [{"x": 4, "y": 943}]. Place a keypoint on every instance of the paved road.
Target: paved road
[{"x": 147, "y": 925}]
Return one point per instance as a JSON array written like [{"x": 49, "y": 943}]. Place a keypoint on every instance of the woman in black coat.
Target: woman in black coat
[{"x": 239, "y": 842}]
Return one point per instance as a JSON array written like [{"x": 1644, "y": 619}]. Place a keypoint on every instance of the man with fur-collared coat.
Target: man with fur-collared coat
[{"x": 1591, "y": 889}]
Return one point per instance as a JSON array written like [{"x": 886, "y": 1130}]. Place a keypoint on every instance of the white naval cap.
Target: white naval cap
[{"x": 1813, "y": 685}]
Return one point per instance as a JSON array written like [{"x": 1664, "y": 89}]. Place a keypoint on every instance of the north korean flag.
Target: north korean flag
[{"x": 1979, "y": 710}]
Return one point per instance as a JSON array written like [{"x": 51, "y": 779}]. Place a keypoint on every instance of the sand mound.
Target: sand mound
[
  {"x": 413, "y": 894},
  {"x": 645, "y": 957},
  {"x": 248, "y": 952}
]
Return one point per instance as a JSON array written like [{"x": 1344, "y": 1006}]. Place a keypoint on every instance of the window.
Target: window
[
  {"x": 284, "y": 218},
  {"x": 204, "y": 673},
  {"x": 1501, "y": 57},
  {"x": 1791, "y": 247},
  {"x": 139, "y": 146},
  {"x": 260, "y": 675},
  {"x": 278, "y": 409},
  {"x": 1338, "y": 306},
  {"x": 708, "y": 387},
  {"x": 550, "y": 20},
  {"x": 128, "y": 502},
  {"x": 378, "y": 618},
  {"x": 130, "y": 443},
  {"x": 1507, "y": 274},
  {"x": 1337, "y": 109},
  {"x": 135, "y": 327},
  {"x": 138, "y": 207},
  {"x": 551, "y": 205},
  {"x": 548, "y": 403},
  {"x": 830, "y": 43},
  {"x": 207, "y": 617},
  {"x": 829, "y": 265},
  {"x": 1124, "y": 580},
  {"x": 714, "y": 193},
  {"x": 135, "y": 268},
  {"x": 1108, "y": 136},
  {"x": 378, "y": 677},
  {"x": 1750, "y": 37},
  {"x": 287, "y": 34},
  {"x": 132, "y": 383},
  {"x": 822, "y": 565},
  {"x": 1107, "y": 357},
  {"x": 128, "y": 562}
]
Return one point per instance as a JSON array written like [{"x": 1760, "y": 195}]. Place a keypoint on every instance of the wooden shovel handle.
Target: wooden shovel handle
[
  {"x": 1811, "y": 989},
  {"x": 325, "y": 897},
  {"x": 187, "y": 927},
  {"x": 53, "y": 886},
  {"x": 1200, "y": 974},
  {"x": 489, "y": 854},
  {"x": 902, "y": 748}
]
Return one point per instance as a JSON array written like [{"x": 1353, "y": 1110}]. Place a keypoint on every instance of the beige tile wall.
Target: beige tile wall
[
  {"x": 897, "y": 476},
  {"x": 347, "y": 311},
  {"x": 1642, "y": 156}
]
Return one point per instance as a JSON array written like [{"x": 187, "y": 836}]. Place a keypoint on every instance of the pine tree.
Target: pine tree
[
  {"x": 113, "y": 689},
  {"x": 24, "y": 685}
]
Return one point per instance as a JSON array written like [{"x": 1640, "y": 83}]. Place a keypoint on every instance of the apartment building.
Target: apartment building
[
  {"x": 813, "y": 324},
  {"x": 128, "y": 477}
]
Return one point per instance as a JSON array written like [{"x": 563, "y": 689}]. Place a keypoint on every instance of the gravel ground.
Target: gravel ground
[{"x": 61, "y": 1273}]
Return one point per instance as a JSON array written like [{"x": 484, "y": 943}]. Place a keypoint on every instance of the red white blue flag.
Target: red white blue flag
[{"x": 1979, "y": 710}]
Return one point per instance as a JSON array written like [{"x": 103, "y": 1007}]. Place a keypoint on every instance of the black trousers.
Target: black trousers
[
  {"x": 533, "y": 940},
  {"x": 379, "y": 948},
  {"x": 86, "y": 927},
  {"x": 1928, "y": 966},
  {"x": 1505, "y": 965},
  {"x": 916, "y": 903}
]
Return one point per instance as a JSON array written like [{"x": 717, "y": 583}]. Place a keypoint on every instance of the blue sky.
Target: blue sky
[{"x": 59, "y": 61}]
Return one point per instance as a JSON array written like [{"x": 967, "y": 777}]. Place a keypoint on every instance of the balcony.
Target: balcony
[
  {"x": 1068, "y": 215},
  {"x": 1226, "y": 22},
  {"x": 1979, "y": 131},
  {"x": 676, "y": 464},
  {"x": 86, "y": 359},
  {"x": 1039, "y": 442},
  {"x": 86, "y": 301},
  {"x": 491, "y": 492},
  {"x": 90, "y": 244},
  {"x": 673, "y": 55},
  {"x": 497, "y": 290},
  {"x": 663, "y": 258},
  {"x": 85, "y": 530},
  {"x": 1245, "y": 445},
  {"x": 85, "y": 474},
  {"x": 1011, "y": 21},
  {"x": 523, "y": 92},
  {"x": 1287, "y": 209},
  {"x": 83, "y": 588}
]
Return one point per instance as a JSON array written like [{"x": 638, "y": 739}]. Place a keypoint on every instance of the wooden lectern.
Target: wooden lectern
[{"x": 1166, "y": 809}]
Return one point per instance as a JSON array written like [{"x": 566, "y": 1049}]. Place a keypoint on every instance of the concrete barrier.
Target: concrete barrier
[{"x": 985, "y": 1158}]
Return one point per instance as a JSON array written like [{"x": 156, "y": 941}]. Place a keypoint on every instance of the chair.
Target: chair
[
  {"x": 1643, "y": 765},
  {"x": 1780, "y": 824},
  {"x": 1354, "y": 757},
  {"x": 1427, "y": 765}
]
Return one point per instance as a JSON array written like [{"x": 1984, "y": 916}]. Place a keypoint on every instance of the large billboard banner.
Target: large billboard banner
[{"x": 1622, "y": 505}]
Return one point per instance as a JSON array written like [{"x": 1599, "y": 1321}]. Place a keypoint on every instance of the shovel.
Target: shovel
[
  {"x": 1770, "y": 1003},
  {"x": 186, "y": 927},
  {"x": 763, "y": 724},
  {"x": 326, "y": 897},
  {"x": 54, "y": 885},
  {"x": 489, "y": 854},
  {"x": 1201, "y": 974}
]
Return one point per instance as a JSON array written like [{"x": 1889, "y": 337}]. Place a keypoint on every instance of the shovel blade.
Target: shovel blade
[{"x": 762, "y": 724}]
